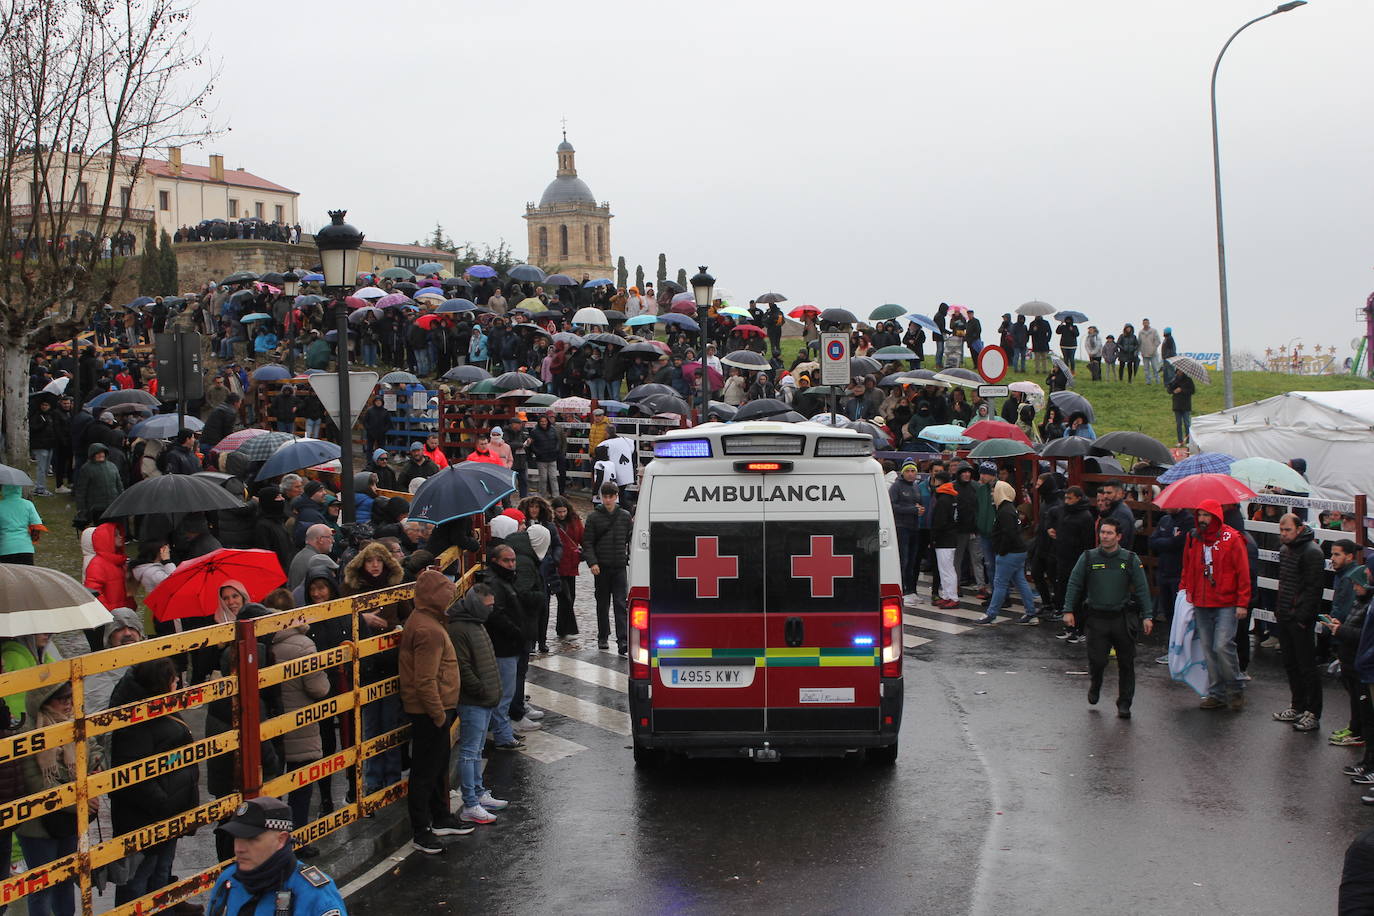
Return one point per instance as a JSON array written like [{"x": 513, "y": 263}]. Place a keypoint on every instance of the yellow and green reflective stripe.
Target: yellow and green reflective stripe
[{"x": 785, "y": 657}]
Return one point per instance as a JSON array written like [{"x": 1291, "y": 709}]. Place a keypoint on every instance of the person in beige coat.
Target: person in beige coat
[{"x": 302, "y": 745}]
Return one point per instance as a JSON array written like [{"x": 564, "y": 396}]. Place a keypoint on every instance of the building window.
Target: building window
[
  {"x": 164, "y": 200},
  {"x": 563, "y": 241},
  {"x": 257, "y": 210},
  {"x": 281, "y": 214},
  {"x": 543, "y": 244},
  {"x": 126, "y": 195},
  {"x": 601, "y": 242},
  {"x": 587, "y": 243},
  {"x": 233, "y": 208},
  {"x": 82, "y": 192}
]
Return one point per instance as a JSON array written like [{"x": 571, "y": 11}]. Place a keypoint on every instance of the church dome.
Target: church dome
[
  {"x": 567, "y": 189},
  {"x": 565, "y": 146}
]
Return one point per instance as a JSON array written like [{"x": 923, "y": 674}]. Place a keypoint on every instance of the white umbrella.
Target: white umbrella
[
  {"x": 58, "y": 385},
  {"x": 1035, "y": 307},
  {"x": 571, "y": 405},
  {"x": 590, "y": 315},
  {"x": 35, "y": 599},
  {"x": 370, "y": 292},
  {"x": 13, "y": 477}
]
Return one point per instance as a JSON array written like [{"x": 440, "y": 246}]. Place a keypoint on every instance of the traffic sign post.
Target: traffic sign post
[
  {"x": 993, "y": 391},
  {"x": 992, "y": 364},
  {"x": 834, "y": 363},
  {"x": 326, "y": 388},
  {"x": 179, "y": 375}
]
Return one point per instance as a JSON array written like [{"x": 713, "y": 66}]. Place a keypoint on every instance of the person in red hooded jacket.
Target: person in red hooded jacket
[
  {"x": 1216, "y": 576},
  {"x": 106, "y": 575}
]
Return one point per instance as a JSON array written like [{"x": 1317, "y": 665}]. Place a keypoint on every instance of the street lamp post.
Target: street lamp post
[
  {"x": 1216, "y": 182},
  {"x": 703, "y": 289},
  {"x": 338, "y": 244},
  {"x": 291, "y": 285}
]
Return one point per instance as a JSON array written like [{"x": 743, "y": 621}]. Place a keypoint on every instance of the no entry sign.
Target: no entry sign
[
  {"x": 992, "y": 364},
  {"x": 835, "y": 358}
]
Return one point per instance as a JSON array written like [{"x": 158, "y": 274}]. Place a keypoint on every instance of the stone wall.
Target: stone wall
[{"x": 199, "y": 263}]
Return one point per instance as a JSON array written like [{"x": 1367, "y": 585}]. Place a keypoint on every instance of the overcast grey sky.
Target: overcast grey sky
[{"x": 981, "y": 152}]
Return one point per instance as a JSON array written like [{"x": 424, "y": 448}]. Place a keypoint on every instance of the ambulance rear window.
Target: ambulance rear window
[{"x": 763, "y": 444}]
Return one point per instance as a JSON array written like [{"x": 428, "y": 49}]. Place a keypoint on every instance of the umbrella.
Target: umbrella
[
  {"x": 460, "y": 490},
  {"x": 429, "y": 267},
  {"x": 613, "y": 406},
  {"x": 1102, "y": 464},
  {"x": 878, "y": 434},
  {"x": 1063, "y": 367},
  {"x": 762, "y": 409},
  {"x": 839, "y": 316},
  {"x": 526, "y": 273},
  {"x": 589, "y": 315},
  {"x": 481, "y": 272},
  {"x": 683, "y": 306},
  {"x": 58, "y": 385},
  {"x": 671, "y": 286},
  {"x": 1258, "y": 473},
  {"x": 517, "y": 393},
  {"x": 663, "y": 403},
  {"x": 1069, "y": 315},
  {"x": 510, "y": 380},
  {"x": 140, "y": 302},
  {"x": 13, "y": 477},
  {"x": 592, "y": 284},
  {"x": 541, "y": 400},
  {"x": 639, "y": 392},
  {"x": 895, "y": 379},
  {"x": 1030, "y": 389},
  {"x": 572, "y": 405},
  {"x": 110, "y": 399},
  {"x": 683, "y": 321},
  {"x": 125, "y": 410},
  {"x": 864, "y": 365},
  {"x": 719, "y": 410},
  {"x": 164, "y": 426},
  {"x": 270, "y": 373},
  {"x": 957, "y": 375},
  {"x": 613, "y": 314},
  {"x": 242, "y": 276},
  {"x": 430, "y": 293},
  {"x": 1066, "y": 447},
  {"x": 887, "y": 354},
  {"x": 1135, "y": 444},
  {"x": 256, "y": 316},
  {"x": 770, "y": 298},
  {"x": 457, "y": 305},
  {"x": 467, "y": 374},
  {"x": 1071, "y": 402},
  {"x": 313, "y": 278},
  {"x": 713, "y": 378},
  {"x": 924, "y": 321},
  {"x": 1034, "y": 308},
  {"x": 171, "y": 494},
  {"x": 745, "y": 359},
  {"x": 455, "y": 282},
  {"x": 996, "y": 429},
  {"x": 296, "y": 454},
  {"x": 607, "y": 339},
  {"x": 1191, "y": 368},
  {"x": 560, "y": 280},
  {"x": 332, "y": 336},
  {"x": 1210, "y": 463},
  {"x": 357, "y": 315},
  {"x": 802, "y": 311},
  {"x": 945, "y": 434},
  {"x": 644, "y": 348},
  {"x": 237, "y": 440},
  {"x": 193, "y": 589},
  {"x": 1000, "y": 448},
  {"x": 36, "y": 599},
  {"x": 483, "y": 386},
  {"x": 884, "y": 312},
  {"x": 370, "y": 292},
  {"x": 396, "y": 273},
  {"x": 398, "y": 377},
  {"x": 429, "y": 321},
  {"x": 391, "y": 301},
  {"x": 641, "y": 320},
  {"x": 748, "y": 330},
  {"x": 307, "y": 300},
  {"x": 1191, "y": 491},
  {"x": 244, "y": 295}
]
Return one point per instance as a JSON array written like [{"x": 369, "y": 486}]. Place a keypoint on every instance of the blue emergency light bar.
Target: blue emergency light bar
[
  {"x": 863, "y": 640},
  {"x": 683, "y": 448},
  {"x": 666, "y": 642}
]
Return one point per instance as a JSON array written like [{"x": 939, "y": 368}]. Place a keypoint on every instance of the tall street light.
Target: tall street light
[
  {"x": 1216, "y": 180},
  {"x": 338, "y": 244},
  {"x": 703, "y": 288}
]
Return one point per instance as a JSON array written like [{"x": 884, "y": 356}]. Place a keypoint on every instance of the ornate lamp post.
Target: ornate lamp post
[
  {"x": 703, "y": 288},
  {"x": 338, "y": 244}
]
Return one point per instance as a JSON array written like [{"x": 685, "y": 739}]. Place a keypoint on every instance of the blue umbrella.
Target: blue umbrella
[
  {"x": 308, "y": 300},
  {"x": 313, "y": 278},
  {"x": 946, "y": 434},
  {"x": 640, "y": 320},
  {"x": 460, "y": 490},
  {"x": 297, "y": 454},
  {"x": 593, "y": 283},
  {"x": 456, "y": 305},
  {"x": 480, "y": 271},
  {"x": 1076, "y": 317},
  {"x": 526, "y": 273},
  {"x": 429, "y": 267},
  {"x": 924, "y": 321},
  {"x": 163, "y": 426},
  {"x": 272, "y": 373},
  {"x": 560, "y": 280},
  {"x": 256, "y": 316},
  {"x": 613, "y": 406},
  {"x": 1210, "y": 463},
  {"x": 141, "y": 301},
  {"x": 681, "y": 321}
]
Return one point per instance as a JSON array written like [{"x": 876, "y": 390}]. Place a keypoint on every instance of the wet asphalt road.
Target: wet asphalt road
[{"x": 1010, "y": 795}]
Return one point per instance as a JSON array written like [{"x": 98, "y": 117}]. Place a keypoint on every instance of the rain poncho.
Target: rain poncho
[{"x": 16, "y": 515}]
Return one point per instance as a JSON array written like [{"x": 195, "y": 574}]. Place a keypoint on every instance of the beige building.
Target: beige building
[
  {"x": 378, "y": 256},
  {"x": 569, "y": 232}
]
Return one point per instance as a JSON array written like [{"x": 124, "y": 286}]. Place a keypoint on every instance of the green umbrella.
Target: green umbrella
[
  {"x": 397, "y": 273},
  {"x": 1257, "y": 473},
  {"x": 884, "y": 312},
  {"x": 1000, "y": 448},
  {"x": 891, "y": 353},
  {"x": 540, "y": 400},
  {"x": 485, "y": 386}
]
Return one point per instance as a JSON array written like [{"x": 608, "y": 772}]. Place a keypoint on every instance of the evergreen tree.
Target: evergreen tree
[
  {"x": 150, "y": 265},
  {"x": 639, "y": 277},
  {"x": 682, "y": 278},
  {"x": 662, "y": 270},
  {"x": 168, "y": 264},
  {"x": 622, "y": 273}
]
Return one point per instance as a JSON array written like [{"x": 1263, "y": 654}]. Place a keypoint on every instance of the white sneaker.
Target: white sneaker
[
  {"x": 535, "y": 714},
  {"x": 476, "y": 815},
  {"x": 525, "y": 725},
  {"x": 492, "y": 803},
  {"x": 63, "y": 490}
]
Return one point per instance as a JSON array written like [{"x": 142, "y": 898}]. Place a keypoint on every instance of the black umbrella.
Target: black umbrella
[
  {"x": 719, "y": 410},
  {"x": 770, "y": 298},
  {"x": 663, "y": 403},
  {"x": 455, "y": 281},
  {"x": 509, "y": 381},
  {"x": 273, "y": 279},
  {"x": 613, "y": 314},
  {"x": 671, "y": 287},
  {"x": 1071, "y": 402},
  {"x": 839, "y": 316},
  {"x": 169, "y": 494},
  {"x": 790, "y": 416},
  {"x": 746, "y": 359},
  {"x": 243, "y": 276},
  {"x": 460, "y": 490},
  {"x": 607, "y": 339},
  {"x": 643, "y": 349},
  {"x": 1135, "y": 444},
  {"x": 526, "y": 273},
  {"x": 639, "y": 392},
  {"x": 111, "y": 399},
  {"x": 1066, "y": 447},
  {"x": 762, "y": 409},
  {"x": 1102, "y": 464},
  {"x": 405, "y": 286},
  {"x": 863, "y": 365},
  {"x": 466, "y": 374}
]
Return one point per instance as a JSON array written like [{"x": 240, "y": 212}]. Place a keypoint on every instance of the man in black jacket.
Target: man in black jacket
[
  {"x": 222, "y": 421},
  {"x": 606, "y": 550},
  {"x": 968, "y": 542},
  {"x": 944, "y": 536},
  {"x": 181, "y": 457},
  {"x": 1301, "y": 570},
  {"x": 505, "y": 627},
  {"x": 1073, "y": 530}
]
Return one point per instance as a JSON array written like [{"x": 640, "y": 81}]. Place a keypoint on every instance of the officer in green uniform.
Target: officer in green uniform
[
  {"x": 1116, "y": 602},
  {"x": 266, "y": 879}
]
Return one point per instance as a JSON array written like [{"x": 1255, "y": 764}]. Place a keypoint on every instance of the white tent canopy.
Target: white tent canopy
[{"x": 1332, "y": 430}]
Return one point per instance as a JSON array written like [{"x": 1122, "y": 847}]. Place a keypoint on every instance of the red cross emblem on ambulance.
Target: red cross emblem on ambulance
[
  {"x": 707, "y": 567},
  {"x": 822, "y": 566}
]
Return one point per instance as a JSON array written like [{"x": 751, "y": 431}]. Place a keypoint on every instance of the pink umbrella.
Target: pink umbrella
[
  {"x": 353, "y": 302},
  {"x": 392, "y": 300},
  {"x": 963, "y": 309},
  {"x": 684, "y": 307},
  {"x": 713, "y": 378}
]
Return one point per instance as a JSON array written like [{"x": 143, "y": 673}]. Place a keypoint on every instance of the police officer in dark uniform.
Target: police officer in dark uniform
[
  {"x": 266, "y": 879},
  {"x": 1116, "y": 602}
]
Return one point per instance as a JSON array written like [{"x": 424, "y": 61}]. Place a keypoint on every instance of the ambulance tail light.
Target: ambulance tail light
[
  {"x": 892, "y": 631},
  {"x": 639, "y": 634}
]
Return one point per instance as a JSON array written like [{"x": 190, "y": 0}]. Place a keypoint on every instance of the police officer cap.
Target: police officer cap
[{"x": 257, "y": 816}]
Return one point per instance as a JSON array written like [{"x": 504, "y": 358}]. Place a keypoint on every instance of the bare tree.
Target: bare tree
[{"x": 88, "y": 88}]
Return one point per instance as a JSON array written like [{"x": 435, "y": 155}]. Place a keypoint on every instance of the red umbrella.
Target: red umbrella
[
  {"x": 1189, "y": 492},
  {"x": 429, "y": 321},
  {"x": 193, "y": 589},
  {"x": 713, "y": 378},
  {"x": 744, "y": 330},
  {"x": 356, "y": 302},
  {"x": 984, "y": 430},
  {"x": 684, "y": 307},
  {"x": 802, "y": 311}
]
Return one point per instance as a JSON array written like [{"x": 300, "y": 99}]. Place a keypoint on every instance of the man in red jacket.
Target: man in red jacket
[{"x": 1216, "y": 576}]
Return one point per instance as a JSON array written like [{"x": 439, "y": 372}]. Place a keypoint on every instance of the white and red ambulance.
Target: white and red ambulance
[{"x": 765, "y": 596}]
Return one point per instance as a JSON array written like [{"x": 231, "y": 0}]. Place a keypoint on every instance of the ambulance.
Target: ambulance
[{"x": 765, "y": 597}]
